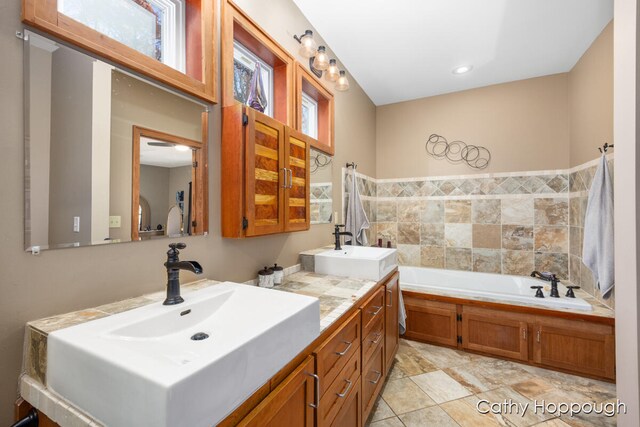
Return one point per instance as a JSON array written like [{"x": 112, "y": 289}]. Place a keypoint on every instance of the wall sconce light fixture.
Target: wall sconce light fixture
[{"x": 319, "y": 61}]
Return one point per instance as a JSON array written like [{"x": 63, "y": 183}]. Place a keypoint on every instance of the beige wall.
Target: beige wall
[
  {"x": 154, "y": 186},
  {"x": 591, "y": 100},
  {"x": 59, "y": 281},
  {"x": 524, "y": 125}
]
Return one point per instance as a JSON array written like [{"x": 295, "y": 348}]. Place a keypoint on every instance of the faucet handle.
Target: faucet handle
[
  {"x": 173, "y": 251},
  {"x": 175, "y": 246}
]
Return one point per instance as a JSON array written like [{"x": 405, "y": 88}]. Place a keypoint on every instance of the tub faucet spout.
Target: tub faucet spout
[{"x": 548, "y": 277}]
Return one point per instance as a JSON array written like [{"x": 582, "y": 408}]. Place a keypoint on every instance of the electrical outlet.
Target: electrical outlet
[
  {"x": 76, "y": 224},
  {"x": 115, "y": 221}
]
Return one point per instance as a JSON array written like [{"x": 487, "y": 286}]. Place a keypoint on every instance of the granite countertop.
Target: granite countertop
[
  {"x": 336, "y": 294},
  {"x": 599, "y": 309}
]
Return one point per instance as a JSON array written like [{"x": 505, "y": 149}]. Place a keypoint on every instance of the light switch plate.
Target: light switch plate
[
  {"x": 115, "y": 221},
  {"x": 76, "y": 224}
]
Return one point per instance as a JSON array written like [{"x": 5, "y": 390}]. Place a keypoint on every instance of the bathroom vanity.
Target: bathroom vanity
[{"x": 334, "y": 381}]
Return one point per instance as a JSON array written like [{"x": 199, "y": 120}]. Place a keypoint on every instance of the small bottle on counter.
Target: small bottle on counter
[
  {"x": 388, "y": 243},
  {"x": 379, "y": 243},
  {"x": 278, "y": 274},
  {"x": 265, "y": 278}
]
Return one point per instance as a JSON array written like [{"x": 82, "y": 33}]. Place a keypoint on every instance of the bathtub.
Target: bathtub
[{"x": 497, "y": 287}]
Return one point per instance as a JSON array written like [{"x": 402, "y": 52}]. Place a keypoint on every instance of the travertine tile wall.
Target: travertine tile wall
[
  {"x": 321, "y": 202},
  {"x": 503, "y": 223}
]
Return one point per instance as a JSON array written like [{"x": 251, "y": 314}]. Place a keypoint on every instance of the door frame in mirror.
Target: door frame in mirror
[
  {"x": 199, "y": 174},
  {"x": 44, "y": 15}
]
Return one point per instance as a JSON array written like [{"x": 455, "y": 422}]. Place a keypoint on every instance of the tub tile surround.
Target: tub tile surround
[
  {"x": 508, "y": 223},
  {"x": 321, "y": 202},
  {"x": 431, "y": 385},
  {"x": 336, "y": 294}
]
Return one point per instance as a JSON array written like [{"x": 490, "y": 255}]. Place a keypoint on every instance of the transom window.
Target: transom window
[
  {"x": 153, "y": 27},
  {"x": 244, "y": 63},
  {"x": 309, "y": 116}
]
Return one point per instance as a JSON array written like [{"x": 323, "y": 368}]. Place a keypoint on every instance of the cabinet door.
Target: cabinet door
[
  {"x": 296, "y": 196},
  {"x": 499, "y": 333},
  {"x": 264, "y": 179},
  {"x": 289, "y": 405},
  {"x": 391, "y": 340},
  {"x": 575, "y": 346},
  {"x": 351, "y": 413},
  {"x": 431, "y": 321},
  {"x": 373, "y": 377}
]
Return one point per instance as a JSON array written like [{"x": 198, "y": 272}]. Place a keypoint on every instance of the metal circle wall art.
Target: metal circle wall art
[{"x": 475, "y": 156}]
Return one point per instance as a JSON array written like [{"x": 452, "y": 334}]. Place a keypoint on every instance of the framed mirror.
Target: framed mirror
[
  {"x": 321, "y": 191},
  {"x": 168, "y": 40},
  {"x": 96, "y": 137}
]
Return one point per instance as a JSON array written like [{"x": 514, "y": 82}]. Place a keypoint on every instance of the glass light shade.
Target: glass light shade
[
  {"x": 321, "y": 61},
  {"x": 343, "y": 82},
  {"x": 308, "y": 47},
  {"x": 332, "y": 73}
]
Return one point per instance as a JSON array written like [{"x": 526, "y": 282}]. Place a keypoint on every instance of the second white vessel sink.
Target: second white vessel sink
[
  {"x": 361, "y": 262},
  {"x": 189, "y": 364}
]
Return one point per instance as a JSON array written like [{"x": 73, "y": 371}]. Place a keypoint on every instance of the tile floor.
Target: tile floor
[{"x": 437, "y": 386}]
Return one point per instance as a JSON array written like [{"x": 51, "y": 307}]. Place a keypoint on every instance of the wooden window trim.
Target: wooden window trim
[
  {"x": 237, "y": 25},
  {"x": 309, "y": 84},
  {"x": 44, "y": 15}
]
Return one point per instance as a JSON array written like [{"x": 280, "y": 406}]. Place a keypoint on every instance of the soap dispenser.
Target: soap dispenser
[
  {"x": 278, "y": 274},
  {"x": 265, "y": 278}
]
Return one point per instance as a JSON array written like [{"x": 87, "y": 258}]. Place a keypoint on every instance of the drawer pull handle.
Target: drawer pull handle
[
  {"x": 284, "y": 178},
  {"x": 346, "y": 390},
  {"x": 538, "y": 335},
  {"x": 377, "y": 379},
  {"x": 390, "y": 292},
  {"x": 378, "y": 308},
  {"x": 377, "y": 340},
  {"x": 316, "y": 380},
  {"x": 342, "y": 353},
  {"x": 524, "y": 333}
]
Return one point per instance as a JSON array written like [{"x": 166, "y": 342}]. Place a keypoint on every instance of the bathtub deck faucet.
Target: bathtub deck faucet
[
  {"x": 549, "y": 277},
  {"x": 337, "y": 233},
  {"x": 174, "y": 265}
]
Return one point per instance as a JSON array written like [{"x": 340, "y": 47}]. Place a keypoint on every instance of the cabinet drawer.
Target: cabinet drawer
[
  {"x": 372, "y": 380},
  {"x": 372, "y": 340},
  {"x": 372, "y": 310},
  {"x": 351, "y": 413},
  {"x": 334, "y": 353},
  {"x": 339, "y": 391}
]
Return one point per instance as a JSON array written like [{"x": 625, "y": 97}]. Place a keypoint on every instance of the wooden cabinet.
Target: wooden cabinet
[
  {"x": 372, "y": 310},
  {"x": 272, "y": 194},
  {"x": 502, "y": 335},
  {"x": 351, "y": 413},
  {"x": 290, "y": 404},
  {"x": 575, "y": 346},
  {"x": 431, "y": 321},
  {"x": 339, "y": 391},
  {"x": 333, "y": 354},
  {"x": 373, "y": 376},
  {"x": 391, "y": 322}
]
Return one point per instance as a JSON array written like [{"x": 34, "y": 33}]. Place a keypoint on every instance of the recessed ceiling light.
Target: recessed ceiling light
[
  {"x": 462, "y": 69},
  {"x": 182, "y": 148}
]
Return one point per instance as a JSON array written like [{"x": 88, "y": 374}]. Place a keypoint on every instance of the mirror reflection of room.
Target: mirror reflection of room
[{"x": 79, "y": 179}]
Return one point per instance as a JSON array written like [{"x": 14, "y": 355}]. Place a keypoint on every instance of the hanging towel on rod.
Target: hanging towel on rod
[
  {"x": 357, "y": 221},
  {"x": 597, "y": 248}
]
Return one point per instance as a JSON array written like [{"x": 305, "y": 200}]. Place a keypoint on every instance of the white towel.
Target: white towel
[
  {"x": 357, "y": 221},
  {"x": 597, "y": 248},
  {"x": 402, "y": 313}
]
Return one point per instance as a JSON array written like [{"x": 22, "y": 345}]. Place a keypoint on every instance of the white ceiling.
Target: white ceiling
[
  {"x": 399, "y": 50},
  {"x": 165, "y": 157}
]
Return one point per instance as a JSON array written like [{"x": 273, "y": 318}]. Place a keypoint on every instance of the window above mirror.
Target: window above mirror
[{"x": 168, "y": 40}]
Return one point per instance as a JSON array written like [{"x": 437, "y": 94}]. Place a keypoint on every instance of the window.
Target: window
[
  {"x": 243, "y": 66},
  {"x": 309, "y": 116},
  {"x": 153, "y": 27}
]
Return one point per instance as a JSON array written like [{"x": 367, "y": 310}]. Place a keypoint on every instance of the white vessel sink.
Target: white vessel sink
[
  {"x": 142, "y": 367},
  {"x": 361, "y": 262}
]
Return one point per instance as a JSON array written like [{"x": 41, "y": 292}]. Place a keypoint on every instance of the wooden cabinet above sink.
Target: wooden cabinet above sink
[{"x": 265, "y": 175}]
